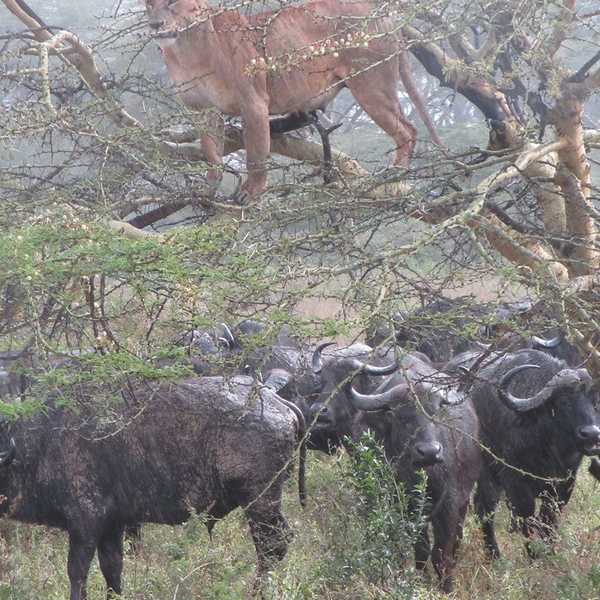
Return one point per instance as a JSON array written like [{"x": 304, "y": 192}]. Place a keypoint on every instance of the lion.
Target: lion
[{"x": 293, "y": 60}]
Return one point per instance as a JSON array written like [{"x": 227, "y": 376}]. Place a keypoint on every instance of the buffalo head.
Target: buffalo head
[
  {"x": 570, "y": 398},
  {"x": 416, "y": 408},
  {"x": 331, "y": 413}
]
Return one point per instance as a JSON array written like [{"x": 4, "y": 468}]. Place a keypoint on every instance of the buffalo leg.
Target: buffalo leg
[
  {"x": 447, "y": 531},
  {"x": 422, "y": 549},
  {"x": 486, "y": 501},
  {"x": 522, "y": 506},
  {"x": 81, "y": 553},
  {"x": 110, "y": 557},
  {"x": 552, "y": 506},
  {"x": 269, "y": 530}
]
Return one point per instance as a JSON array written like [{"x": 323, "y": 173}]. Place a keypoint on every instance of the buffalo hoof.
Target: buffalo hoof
[
  {"x": 447, "y": 585},
  {"x": 493, "y": 552}
]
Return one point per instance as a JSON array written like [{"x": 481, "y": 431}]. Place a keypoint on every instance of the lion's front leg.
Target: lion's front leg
[
  {"x": 257, "y": 142},
  {"x": 212, "y": 141}
]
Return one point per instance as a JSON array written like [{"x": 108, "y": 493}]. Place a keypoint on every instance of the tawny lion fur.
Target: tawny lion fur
[{"x": 221, "y": 58}]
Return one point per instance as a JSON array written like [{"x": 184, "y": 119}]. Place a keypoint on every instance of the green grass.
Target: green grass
[{"x": 183, "y": 563}]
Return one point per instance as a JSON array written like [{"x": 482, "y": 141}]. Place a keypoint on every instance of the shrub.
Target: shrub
[{"x": 391, "y": 517}]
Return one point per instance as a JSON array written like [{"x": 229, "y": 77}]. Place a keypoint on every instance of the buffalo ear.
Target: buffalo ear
[
  {"x": 317, "y": 359},
  {"x": 466, "y": 379},
  {"x": 7, "y": 457},
  {"x": 594, "y": 469},
  {"x": 277, "y": 379}
]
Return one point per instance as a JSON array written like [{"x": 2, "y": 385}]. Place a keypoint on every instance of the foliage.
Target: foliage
[
  {"x": 328, "y": 259},
  {"x": 391, "y": 516}
]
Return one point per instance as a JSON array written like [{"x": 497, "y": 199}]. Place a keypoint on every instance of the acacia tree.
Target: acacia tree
[{"x": 526, "y": 198}]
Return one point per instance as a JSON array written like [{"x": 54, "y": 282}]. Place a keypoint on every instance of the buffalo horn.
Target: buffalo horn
[
  {"x": 371, "y": 402},
  {"x": 385, "y": 370},
  {"x": 564, "y": 378},
  {"x": 7, "y": 457},
  {"x": 317, "y": 361},
  {"x": 539, "y": 342},
  {"x": 228, "y": 336}
]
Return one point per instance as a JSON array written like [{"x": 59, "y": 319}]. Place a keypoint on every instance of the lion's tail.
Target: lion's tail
[{"x": 416, "y": 98}]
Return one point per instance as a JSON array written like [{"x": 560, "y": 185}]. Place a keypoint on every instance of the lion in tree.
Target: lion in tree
[{"x": 294, "y": 60}]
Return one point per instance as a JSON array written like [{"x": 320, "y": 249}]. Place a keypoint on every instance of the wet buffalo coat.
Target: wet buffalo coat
[
  {"x": 157, "y": 454},
  {"x": 534, "y": 454}
]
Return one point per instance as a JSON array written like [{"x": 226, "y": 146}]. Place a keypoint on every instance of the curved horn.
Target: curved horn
[
  {"x": 539, "y": 342},
  {"x": 400, "y": 316},
  {"x": 302, "y": 442},
  {"x": 385, "y": 370},
  {"x": 317, "y": 361},
  {"x": 371, "y": 402},
  {"x": 228, "y": 337},
  {"x": 277, "y": 379},
  {"x": 7, "y": 457},
  {"x": 564, "y": 378}
]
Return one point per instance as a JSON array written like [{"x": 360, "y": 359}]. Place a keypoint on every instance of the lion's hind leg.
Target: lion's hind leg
[{"x": 375, "y": 90}]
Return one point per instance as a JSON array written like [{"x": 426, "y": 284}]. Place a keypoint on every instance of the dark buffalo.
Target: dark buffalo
[
  {"x": 538, "y": 419},
  {"x": 251, "y": 348},
  {"x": 422, "y": 422},
  {"x": 278, "y": 335},
  {"x": 203, "y": 444},
  {"x": 450, "y": 326},
  {"x": 441, "y": 329},
  {"x": 329, "y": 418}
]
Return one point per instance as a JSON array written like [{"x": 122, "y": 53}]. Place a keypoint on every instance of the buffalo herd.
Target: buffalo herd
[{"x": 456, "y": 389}]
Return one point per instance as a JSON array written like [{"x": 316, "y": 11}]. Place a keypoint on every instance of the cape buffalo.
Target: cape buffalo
[
  {"x": 156, "y": 453},
  {"x": 422, "y": 422},
  {"x": 538, "y": 419},
  {"x": 450, "y": 326}
]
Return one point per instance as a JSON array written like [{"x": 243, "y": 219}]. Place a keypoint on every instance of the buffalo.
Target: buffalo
[
  {"x": 538, "y": 419},
  {"x": 422, "y": 421},
  {"x": 440, "y": 329},
  {"x": 153, "y": 452},
  {"x": 447, "y": 327},
  {"x": 327, "y": 411}
]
